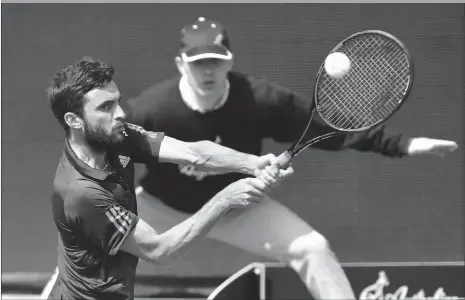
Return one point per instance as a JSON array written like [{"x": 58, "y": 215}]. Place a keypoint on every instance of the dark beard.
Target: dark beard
[{"x": 99, "y": 140}]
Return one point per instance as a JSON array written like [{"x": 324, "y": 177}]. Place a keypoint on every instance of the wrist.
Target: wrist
[
  {"x": 219, "y": 204},
  {"x": 405, "y": 146},
  {"x": 251, "y": 164}
]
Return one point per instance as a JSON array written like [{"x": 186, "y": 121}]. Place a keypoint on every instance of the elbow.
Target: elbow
[
  {"x": 161, "y": 259},
  {"x": 164, "y": 261},
  {"x": 162, "y": 256}
]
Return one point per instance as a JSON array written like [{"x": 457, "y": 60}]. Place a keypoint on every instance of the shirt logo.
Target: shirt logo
[
  {"x": 218, "y": 39},
  {"x": 124, "y": 160}
]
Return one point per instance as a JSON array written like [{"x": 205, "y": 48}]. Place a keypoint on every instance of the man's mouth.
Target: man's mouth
[{"x": 119, "y": 127}]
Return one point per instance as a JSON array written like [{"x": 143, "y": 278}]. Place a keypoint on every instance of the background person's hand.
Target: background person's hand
[{"x": 423, "y": 145}]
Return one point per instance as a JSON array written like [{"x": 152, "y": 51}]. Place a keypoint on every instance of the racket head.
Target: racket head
[{"x": 377, "y": 85}]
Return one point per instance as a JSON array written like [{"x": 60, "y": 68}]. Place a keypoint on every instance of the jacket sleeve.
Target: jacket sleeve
[{"x": 284, "y": 115}]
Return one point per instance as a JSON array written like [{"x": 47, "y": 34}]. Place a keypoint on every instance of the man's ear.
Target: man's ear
[
  {"x": 73, "y": 120},
  {"x": 230, "y": 64},
  {"x": 179, "y": 64}
]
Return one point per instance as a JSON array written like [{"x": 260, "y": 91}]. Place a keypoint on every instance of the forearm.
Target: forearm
[
  {"x": 378, "y": 140},
  {"x": 219, "y": 159},
  {"x": 177, "y": 241}
]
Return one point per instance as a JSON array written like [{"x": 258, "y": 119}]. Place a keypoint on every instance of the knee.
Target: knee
[{"x": 311, "y": 243}]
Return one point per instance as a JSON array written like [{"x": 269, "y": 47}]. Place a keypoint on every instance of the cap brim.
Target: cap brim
[{"x": 208, "y": 51}]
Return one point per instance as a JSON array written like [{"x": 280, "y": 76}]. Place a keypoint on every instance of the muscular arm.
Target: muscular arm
[
  {"x": 113, "y": 228},
  {"x": 145, "y": 243},
  {"x": 207, "y": 156},
  {"x": 204, "y": 155}
]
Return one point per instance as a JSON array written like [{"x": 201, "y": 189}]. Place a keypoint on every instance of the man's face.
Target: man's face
[
  {"x": 207, "y": 76},
  {"x": 103, "y": 117}
]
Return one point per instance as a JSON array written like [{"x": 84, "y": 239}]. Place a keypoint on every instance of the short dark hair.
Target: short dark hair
[{"x": 69, "y": 86}]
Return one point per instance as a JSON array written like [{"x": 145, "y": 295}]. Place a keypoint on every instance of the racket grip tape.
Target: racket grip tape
[{"x": 284, "y": 159}]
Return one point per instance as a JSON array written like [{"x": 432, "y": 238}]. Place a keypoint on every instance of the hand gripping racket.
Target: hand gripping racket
[{"x": 378, "y": 83}]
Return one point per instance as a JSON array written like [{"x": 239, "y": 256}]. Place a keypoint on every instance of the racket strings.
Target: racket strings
[
  {"x": 371, "y": 65},
  {"x": 374, "y": 87},
  {"x": 363, "y": 105}
]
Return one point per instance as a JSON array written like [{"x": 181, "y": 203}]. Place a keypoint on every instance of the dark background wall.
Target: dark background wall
[{"x": 371, "y": 208}]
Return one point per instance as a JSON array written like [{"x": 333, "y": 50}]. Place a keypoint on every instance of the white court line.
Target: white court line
[
  {"x": 391, "y": 264},
  {"x": 405, "y": 264}
]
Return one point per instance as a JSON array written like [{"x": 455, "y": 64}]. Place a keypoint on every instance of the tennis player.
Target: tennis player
[
  {"x": 101, "y": 237},
  {"x": 209, "y": 101}
]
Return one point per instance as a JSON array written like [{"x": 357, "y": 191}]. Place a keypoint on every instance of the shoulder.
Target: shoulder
[
  {"x": 151, "y": 104},
  {"x": 162, "y": 87},
  {"x": 240, "y": 80},
  {"x": 257, "y": 84},
  {"x": 157, "y": 92},
  {"x": 262, "y": 89},
  {"x": 84, "y": 194}
]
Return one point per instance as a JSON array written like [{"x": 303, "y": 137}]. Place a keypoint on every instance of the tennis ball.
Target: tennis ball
[{"x": 337, "y": 65}]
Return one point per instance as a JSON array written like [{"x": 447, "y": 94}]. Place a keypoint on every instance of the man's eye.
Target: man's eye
[{"x": 107, "y": 106}]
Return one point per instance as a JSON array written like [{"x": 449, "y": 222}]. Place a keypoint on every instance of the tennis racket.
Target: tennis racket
[{"x": 377, "y": 85}]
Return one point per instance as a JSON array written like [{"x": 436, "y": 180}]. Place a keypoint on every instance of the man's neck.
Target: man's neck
[
  {"x": 92, "y": 157},
  {"x": 199, "y": 102}
]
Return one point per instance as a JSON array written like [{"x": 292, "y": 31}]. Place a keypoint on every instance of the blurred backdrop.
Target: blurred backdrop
[{"x": 371, "y": 208}]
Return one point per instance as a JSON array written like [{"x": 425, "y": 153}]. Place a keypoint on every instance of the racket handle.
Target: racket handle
[{"x": 284, "y": 159}]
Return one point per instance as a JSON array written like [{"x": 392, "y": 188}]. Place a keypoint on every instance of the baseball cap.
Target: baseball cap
[{"x": 204, "y": 39}]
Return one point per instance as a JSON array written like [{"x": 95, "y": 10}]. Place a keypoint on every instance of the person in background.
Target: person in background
[{"x": 209, "y": 101}]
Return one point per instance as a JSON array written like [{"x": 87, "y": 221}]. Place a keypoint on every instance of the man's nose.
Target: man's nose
[
  {"x": 208, "y": 70},
  {"x": 119, "y": 114}
]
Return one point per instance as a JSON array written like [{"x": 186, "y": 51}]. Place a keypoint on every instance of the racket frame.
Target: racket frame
[{"x": 297, "y": 147}]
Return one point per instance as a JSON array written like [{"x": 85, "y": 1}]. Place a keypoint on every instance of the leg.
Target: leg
[
  {"x": 268, "y": 229},
  {"x": 272, "y": 230}
]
